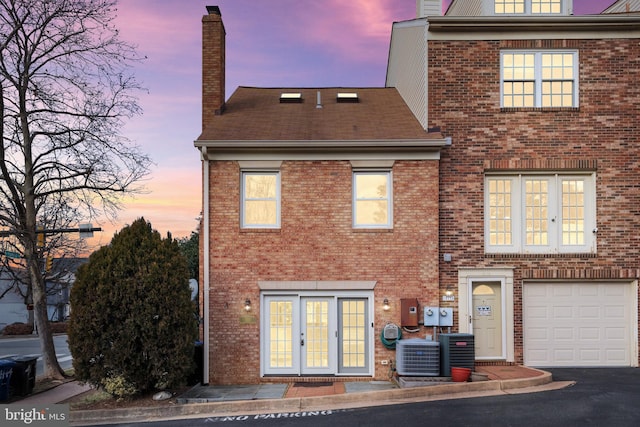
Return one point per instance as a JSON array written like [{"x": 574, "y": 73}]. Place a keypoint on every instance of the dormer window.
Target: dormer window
[
  {"x": 502, "y": 7},
  {"x": 531, "y": 7},
  {"x": 553, "y": 7}
]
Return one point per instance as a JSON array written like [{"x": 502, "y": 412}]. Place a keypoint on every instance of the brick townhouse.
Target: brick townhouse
[
  {"x": 329, "y": 213},
  {"x": 320, "y": 223},
  {"x": 539, "y": 206}
]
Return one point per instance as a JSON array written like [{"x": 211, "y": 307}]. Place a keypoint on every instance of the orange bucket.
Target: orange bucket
[{"x": 460, "y": 375}]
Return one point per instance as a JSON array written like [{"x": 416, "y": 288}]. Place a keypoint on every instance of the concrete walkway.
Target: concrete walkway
[{"x": 56, "y": 394}]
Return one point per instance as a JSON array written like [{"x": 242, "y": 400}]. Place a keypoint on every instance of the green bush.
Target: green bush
[
  {"x": 119, "y": 387},
  {"x": 132, "y": 327}
]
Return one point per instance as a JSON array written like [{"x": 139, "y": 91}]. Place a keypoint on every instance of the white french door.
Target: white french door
[{"x": 316, "y": 335}]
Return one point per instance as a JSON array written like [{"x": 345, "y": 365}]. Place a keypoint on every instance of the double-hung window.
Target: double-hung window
[
  {"x": 536, "y": 79},
  {"x": 533, "y": 7},
  {"x": 260, "y": 207},
  {"x": 501, "y": 7},
  {"x": 372, "y": 199},
  {"x": 540, "y": 213}
]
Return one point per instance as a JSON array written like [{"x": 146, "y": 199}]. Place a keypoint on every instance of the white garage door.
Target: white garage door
[{"x": 579, "y": 324}]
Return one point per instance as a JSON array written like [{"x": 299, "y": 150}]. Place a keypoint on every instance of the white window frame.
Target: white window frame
[
  {"x": 554, "y": 221},
  {"x": 243, "y": 199},
  {"x": 389, "y": 198},
  {"x": 566, "y": 8},
  {"x": 538, "y": 80}
]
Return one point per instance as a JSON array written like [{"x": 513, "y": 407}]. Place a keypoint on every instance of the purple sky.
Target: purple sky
[{"x": 275, "y": 43}]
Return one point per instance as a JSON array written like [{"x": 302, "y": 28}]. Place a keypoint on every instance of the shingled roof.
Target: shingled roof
[{"x": 257, "y": 114}]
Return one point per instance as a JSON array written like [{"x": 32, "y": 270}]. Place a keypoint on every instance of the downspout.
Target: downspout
[{"x": 205, "y": 260}]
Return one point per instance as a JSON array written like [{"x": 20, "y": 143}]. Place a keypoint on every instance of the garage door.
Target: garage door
[{"x": 579, "y": 324}]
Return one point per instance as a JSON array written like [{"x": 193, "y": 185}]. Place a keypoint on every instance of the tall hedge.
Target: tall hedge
[{"x": 132, "y": 327}]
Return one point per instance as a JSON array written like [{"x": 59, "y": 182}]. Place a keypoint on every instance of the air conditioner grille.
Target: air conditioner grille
[
  {"x": 457, "y": 350},
  {"x": 418, "y": 357}
]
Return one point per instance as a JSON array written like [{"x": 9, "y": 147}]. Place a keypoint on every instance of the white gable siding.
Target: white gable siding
[
  {"x": 624, "y": 6},
  {"x": 407, "y": 67},
  {"x": 465, "y": 8}
]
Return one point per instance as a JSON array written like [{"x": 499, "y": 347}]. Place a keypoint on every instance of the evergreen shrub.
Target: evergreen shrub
[{"x": 132, "y": 327}]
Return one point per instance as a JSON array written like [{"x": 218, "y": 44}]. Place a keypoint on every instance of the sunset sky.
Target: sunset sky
[{"x": 270, "y": 43}]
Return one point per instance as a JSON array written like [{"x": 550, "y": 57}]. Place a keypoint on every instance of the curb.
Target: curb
[{"x": 338, "y": 401}]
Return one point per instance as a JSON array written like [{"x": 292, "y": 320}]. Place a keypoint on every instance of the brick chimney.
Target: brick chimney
[{"x": 213, "y": 69}]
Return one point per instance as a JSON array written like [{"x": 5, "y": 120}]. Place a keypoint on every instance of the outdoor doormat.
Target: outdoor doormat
[{"x": 314, "y": 384}]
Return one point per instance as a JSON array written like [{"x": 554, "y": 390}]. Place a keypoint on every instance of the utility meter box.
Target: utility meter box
[
  {"x": 431, "y": 316},
  {"x": 409, "y": 314},
  {"x": 446, "y": 317}
]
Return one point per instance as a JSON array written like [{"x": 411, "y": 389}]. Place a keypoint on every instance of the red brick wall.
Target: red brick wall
[
  {"x": 464, "y": 100},
  {"x": 316, "y": 242}
]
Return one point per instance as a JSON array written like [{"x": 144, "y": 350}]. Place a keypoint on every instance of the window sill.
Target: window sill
[
  {"x": 539, "y": 109},
  {"x": 372, "y": 230},
  {"x": 538, "y": 256},
  {"x": 260, "y": 230}
]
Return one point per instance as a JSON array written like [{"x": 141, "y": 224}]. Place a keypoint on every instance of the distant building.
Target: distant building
[
  {"x": 59, "y": 282},
  {"x": 12, "y": 303},
  {"x": 14, "y": 307}
]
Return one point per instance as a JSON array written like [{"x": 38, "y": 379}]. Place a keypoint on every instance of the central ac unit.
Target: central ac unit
[
  {"x": 457, "y": 350},
  {"x": 418, "y": 357}
]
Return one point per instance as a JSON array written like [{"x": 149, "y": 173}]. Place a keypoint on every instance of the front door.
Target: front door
[
  {"x": 316, "y": 335},
  {"x": 487, "y": 319}
]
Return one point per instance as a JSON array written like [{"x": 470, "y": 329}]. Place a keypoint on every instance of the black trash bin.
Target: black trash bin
[
  {"x": 23, "y": 379},
  {"x": 6, "y": 371},
  {"x": 198, "y": 358}
]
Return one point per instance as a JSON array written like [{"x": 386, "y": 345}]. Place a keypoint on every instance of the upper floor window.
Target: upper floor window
[
  {"x": 546, "y": 6},
  {"x": 372, "y": 199},
  {"x": 533, "y": 7},
  {"x": 539, "y": 79},
  {"x": 508, "y": 6},
  {"x": 260, "y": 207},
  {"x": 540, "y": 213}
]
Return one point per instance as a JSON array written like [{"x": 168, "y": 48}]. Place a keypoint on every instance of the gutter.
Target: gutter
[
  {"x": 404, "y": 149},
  {"x": 206, "y": 263},
  {"x": 588, "y": 23}
]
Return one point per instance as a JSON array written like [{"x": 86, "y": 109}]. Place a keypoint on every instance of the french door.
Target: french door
[{"x": 316, "y": 335}]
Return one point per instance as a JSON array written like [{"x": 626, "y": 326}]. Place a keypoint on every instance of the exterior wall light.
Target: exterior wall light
[
  {"x": 386, "y": 306},
  {"x": 247, "y": 305}
]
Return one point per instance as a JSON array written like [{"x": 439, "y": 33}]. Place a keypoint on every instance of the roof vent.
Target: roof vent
[
  {"x": 345, "y": 97},
  {"x": 290, "y": 97}
]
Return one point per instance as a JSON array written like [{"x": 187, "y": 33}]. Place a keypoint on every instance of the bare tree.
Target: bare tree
[{"x": 66, "y": 86}]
